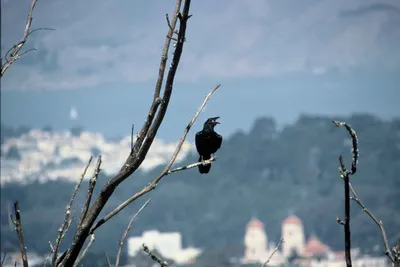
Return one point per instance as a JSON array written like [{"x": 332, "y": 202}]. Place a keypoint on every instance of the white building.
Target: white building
[
  {"x": 313, "y": 252},
  {"x": 257, "y": 247},
  {"x": 169, "y": 245}
]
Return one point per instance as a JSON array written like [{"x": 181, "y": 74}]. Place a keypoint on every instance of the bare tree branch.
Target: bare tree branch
[
  {"x": 13, "y": 53},
  {"x": 345, "y": 174},
  {"x": 133, "y": 129},
  {"x": 92, "y": 184},
  {"x": 67, "y": 222},
  {"x": 273, "y": 252},
  {"x": 121, "y": 244},
  {"x": 91, "y": 241},
  {"x": 377, "y": 222},
  {"x": 166, "y": 170},
  {"x": 108, "y": 260},
  {"x": 154, "y": 257},
  {"x": 3, "y": 259},
  {"x": 193, "y": 165},
  {"x": 18, "y": 228},
  {"x": 156, "y": 99},
  {"x": 145, "y": 138},
  {"x": 396, "y": 254}
]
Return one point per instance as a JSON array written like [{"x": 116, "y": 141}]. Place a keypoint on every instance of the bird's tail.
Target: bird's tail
[{"x": 204, "y": 168}]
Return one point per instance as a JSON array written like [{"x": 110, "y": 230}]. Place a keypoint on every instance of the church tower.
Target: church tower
[
  {"x": 293, "y": 235},
  {"x": 255, "y": 241}
]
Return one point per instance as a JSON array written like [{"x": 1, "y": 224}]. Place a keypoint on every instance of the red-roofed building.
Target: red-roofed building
[
  {"x": 255, "y": 223},
  {"x": 292, "y": 219},
  {"x": 315, "y": 247}
]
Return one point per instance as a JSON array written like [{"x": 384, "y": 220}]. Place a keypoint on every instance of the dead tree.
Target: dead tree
[
  {"x": 87, "y": 225},
  {"x": 345, "y": 175}
]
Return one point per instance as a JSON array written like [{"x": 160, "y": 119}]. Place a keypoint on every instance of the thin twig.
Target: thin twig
[
  {"x": 92, "y": 184},
  {"x": 193, "y": 165},
  {"x": 3, "y": 259},
  {"x": 18, "y": 228},
  {"x": 121, "y": 243},
  {"x": 169, "y": 24},
  {"x": 67, "y": 223},
  {"x": 377, "y": 222},
  {"x": 48, "y": 256},
  {"x": 108, "y": 260},
  {"x": 273, "y": 252},
  {"x": 92, "y": 239},
  {"x": 154, "y": 257},
  {"x": 133, "y": 128},
  {"x": 153, "y": 185},
  {"x": 13, "y": 53}
]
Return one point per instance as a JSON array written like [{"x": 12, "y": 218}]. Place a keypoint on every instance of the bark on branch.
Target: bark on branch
[
  {"x": 67, "y": 221},
  {"x": 154, "y": 257},
  {"x": 345, "y": 174},
  {"x": 18, "y": 228},
  {"x": 145, "y": 138}
]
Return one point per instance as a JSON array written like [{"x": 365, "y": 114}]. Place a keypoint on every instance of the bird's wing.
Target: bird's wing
[
  {"x": 199, "y": 142},
  {"x": 219, "y": 140}
]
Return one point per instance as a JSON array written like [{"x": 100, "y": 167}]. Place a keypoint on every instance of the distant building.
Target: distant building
[
  {"x": 312, "y": 253},
  {"x": 257, "y": 247},
  {"x": 169, "y": 245},
  {"x": 293, "y": 234}
]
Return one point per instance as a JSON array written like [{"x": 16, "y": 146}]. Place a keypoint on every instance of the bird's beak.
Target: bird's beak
[{"x": 215, "y": 120}]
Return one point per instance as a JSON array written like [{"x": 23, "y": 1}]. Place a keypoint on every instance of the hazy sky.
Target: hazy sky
[{"x": 273, "y": 57}]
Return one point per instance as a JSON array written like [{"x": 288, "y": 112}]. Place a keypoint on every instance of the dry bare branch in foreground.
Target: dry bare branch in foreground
[
  {"x": 18, "y": 228},
  {"x": 166, "y": 170},
  {"x": 3, "y": 259},
  {"x": 345, "y": 174},
  {"x": 154, "y": 257},
  {"x": 121, "y": 244},
  {"x": 377, "y": 222},
  {"x": 108, "y": 260},
  {"x": 67, "y": 222},
  {"x": 13, "y": 53},
  {"x": 91, "y": 241},
  {"x": 273, "y": 252},
  {"x": 144, "y": 139}
]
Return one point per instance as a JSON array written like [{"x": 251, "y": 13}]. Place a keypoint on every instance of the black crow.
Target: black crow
[{"x": 207, "y": 142}]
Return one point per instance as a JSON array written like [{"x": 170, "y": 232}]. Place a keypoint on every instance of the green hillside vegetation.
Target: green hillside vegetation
[{"x": 264, "y": 173}]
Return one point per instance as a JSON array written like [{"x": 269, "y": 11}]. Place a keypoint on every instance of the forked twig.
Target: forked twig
[
  {"x": 13, "y": 53},
  {"x": 121, "y": 244},
  {"x": 92, "y": 239},
  {"x": 345, "y": 174},
  {"x": 108, "y": 260},
  {"x": 67, "y": 223}
]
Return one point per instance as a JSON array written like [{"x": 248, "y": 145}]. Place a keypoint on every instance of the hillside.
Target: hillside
[{"x": 264, "y": 173}]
